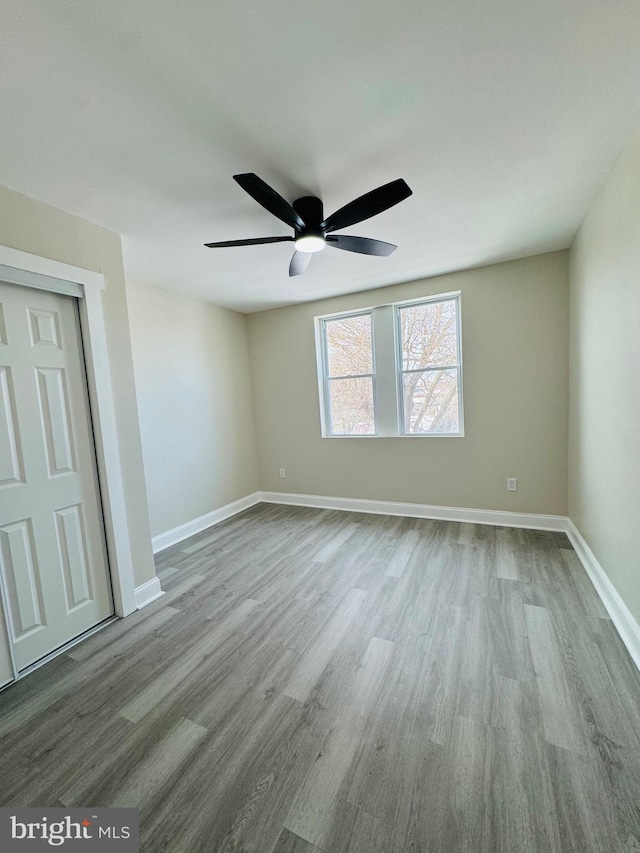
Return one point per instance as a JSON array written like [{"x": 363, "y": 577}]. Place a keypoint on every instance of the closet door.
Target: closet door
[
  {"x": 52, "y": 555},
  {"x": 6, "y": 670}
]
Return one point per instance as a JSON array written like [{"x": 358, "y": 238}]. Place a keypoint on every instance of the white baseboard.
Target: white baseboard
[
  {"x": 190, "y": 528},
  {"x": 621, "y": 616},
  {"x": 148, "y": 592},
  {"x": 502, "y": 518}
]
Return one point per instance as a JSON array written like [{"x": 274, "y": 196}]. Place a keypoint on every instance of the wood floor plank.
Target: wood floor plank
[
  {"x": 481, "y": 554},
  {"x": 30, "y": 697},
  {"x": 425, "y": 804},
  {"x": 523, "y": 800},
  {"x": 415, "y": 593},
  {"x": 161, "y": 765},
  {"x": 621, "y": 770},
  {"x": 252, "y": 674},
  {"x": 82, "y": 742},
  {"x": 399, "y": 725},
  {"x": 219, "y": 534},
  {"x": 311, "y": 814},
  {"x": 509, "y": 561},
  {"x": 114, "y": 644},
  {"x": 174, "y": 590},
  {"x": 353, "y": 645},
  {"x": 290, "y": 843},
  {"x": 441, "y": 682},
  {"x": 317, "y": 656},
  {"x": 408, "y": 541},
  {"x": 624, "y": 674},
  {"x": 328, "y": 551},
  {"x": 240, "y": 783},
  {"x": 584, "y": 804},
  {"x": 136, "y": 789},
  {"x": 605, "y": 718},
  {"x": 584, "y": 589},
  {"x": 357, "y": 831},
  {"x": 472, "y": 753},
  {"x": 148, "y": 698},
  {"x": 166, "y": 572},
  {"x": 561, "y": 719}
]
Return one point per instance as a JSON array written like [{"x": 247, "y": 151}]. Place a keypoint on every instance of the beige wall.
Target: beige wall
[
  {"x": 32, "y": 226},
  {"x": 604, "y": 473},
  {"x": 191, "y": 363},
  {"x": 515, "y": 353}
]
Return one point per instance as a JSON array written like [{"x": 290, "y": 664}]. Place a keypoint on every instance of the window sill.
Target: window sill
[{"x": 405, "y": 435}]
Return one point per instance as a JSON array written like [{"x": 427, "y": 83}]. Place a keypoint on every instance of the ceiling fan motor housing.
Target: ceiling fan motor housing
[{"x": 310, "y": 210}]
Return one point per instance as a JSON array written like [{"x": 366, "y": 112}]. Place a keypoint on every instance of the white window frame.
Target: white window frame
[
  {"x": 400, "y": 371},
  {"x": 324, "y": 379},
  {"x": 387, "y": 368}
]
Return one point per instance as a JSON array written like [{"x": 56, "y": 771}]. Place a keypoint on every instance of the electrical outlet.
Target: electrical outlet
[
  {"x": 512, "y": 484},
  {"x": 283, "y": 473}
]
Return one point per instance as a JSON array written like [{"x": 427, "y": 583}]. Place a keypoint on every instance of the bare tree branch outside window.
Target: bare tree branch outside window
[
  {"x": 430, "y": 359},
  {"x": 350, "y": 375}
]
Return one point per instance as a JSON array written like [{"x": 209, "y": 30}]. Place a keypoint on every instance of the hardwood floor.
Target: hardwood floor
[{"x": 329, "y": 682}]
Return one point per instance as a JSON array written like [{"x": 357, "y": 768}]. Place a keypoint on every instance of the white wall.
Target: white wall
[
  {"x": 515, "y": 353},
  {"x": 31, "y": 226},
  {"x": 191, "y": 365},
  {"x": 604, "y": 458}
]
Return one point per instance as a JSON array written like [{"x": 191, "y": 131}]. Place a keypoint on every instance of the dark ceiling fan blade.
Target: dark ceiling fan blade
[
  {"x": 363, "y": 245},
  {"x": 269, "y": 199},
  {"x": 299, "y": 263},
  {"x": 368, "y": 205},
  {"x": 252, "y": 241}
]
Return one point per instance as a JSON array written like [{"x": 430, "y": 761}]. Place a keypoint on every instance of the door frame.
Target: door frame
[{"x": 23, "y": 268}]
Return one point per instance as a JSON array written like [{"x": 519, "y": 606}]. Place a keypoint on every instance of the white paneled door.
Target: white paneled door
[
  {"x": 6, "y": 667},
  {"x": 52, "y": 556}
]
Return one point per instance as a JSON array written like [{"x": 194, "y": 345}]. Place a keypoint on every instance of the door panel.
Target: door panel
[
  {"x": 52, "y": 555},
  {"x": 73, "y": 555},
  {"x": 22, "y": 578},
  {"x": 54, "y": 408},
  {"x": 6, "y": 670},
  {"x": 10, "y": 457}
]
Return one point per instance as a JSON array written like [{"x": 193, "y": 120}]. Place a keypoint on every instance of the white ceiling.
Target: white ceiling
[{"x": 503, "y": 116}]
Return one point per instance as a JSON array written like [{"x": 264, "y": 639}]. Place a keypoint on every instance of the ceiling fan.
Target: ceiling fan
[{"x": 312, "y": 232}]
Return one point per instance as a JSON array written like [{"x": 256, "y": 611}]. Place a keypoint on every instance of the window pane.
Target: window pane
[
  {"x": 431, "y": 401},
  {"x": 429, "y": 335},
  {"x": 349, "y": 346},
  {"x": 351, "y": 406}
]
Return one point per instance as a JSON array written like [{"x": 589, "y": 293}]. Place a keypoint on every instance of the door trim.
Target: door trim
[{"x": 53, "y": 275}]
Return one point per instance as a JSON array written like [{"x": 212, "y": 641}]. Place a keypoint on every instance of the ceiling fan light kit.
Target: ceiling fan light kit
[
  {"x": 312, "y": 233},
  {"x": 310, "y": 243}
]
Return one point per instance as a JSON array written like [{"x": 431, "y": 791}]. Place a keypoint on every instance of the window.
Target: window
[
  {"x": 429, "y": 367},
  {"x": 393, "y": 370},
  {"x": 349, "y": 375}
]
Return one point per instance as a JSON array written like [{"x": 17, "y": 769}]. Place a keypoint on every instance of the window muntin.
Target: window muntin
[
  {"x": 429, "y": 367},
  {"x": 349, "y": 375}
]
